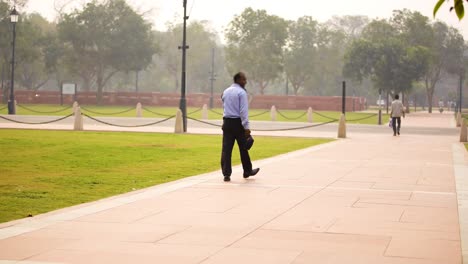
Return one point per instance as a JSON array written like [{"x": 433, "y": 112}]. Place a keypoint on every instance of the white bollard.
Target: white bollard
[
  {"x": 205, "y": 112},
  {"x": 78, "y": 125},
  {"x": 138, "y": 110},
  {"x": 309, "y": 115},
  {"x": 179, "y": 126},
  {"x": 75, "y": 105},
  {"x": 273, "y": 113},
  {"x": 463, "y": 132},
  {"x": 342, "y": 127}
]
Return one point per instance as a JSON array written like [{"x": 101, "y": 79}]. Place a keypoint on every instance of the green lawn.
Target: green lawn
[
  {"x": 194, "y": 112},
  {"x": 45, "y": 170}
]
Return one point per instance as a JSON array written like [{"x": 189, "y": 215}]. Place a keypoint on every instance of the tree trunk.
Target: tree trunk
[
  {"x": 176, "y": 78},
  {"x": 86, "y": 84},
  {"x": 99, "y": 82},
  {"x": 40, "y": 84},
  {"x": 296, "y": 88},
  {"x": 262, "y": 87},
  {"x": 430, "y": 95},
  {"x": 405, "y": 102},
  {"x": 388, "y": 93}
]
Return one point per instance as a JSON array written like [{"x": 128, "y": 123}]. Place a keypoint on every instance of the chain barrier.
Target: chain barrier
[
  {"x": 204, "y": 122},
  {"x": 99, "y": 113},
  {"x": 110, "y": 124},
  {"x": 218, "y": 113},
  {"x": 193, "y": 112},
  {"x": 44, "y": 112},
  {"x": 297, "y": 128},
  {"x": 36, "y": 123},
  {"x": 317, "y": 113},
  {"x": 259, "y": 114},
  {"x": 255, "y": 115},
  {"x": 280, "y": 129},
  {"x": 153, "y": 112},
  {"x": 359, "y": 119},
  {"x": 288, "y": 118}
]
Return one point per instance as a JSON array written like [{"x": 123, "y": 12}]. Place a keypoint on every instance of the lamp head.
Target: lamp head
[{"x": 14, "y": 15}]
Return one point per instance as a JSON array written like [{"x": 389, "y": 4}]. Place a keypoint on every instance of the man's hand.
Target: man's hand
[{"x": 247, "y": 132}]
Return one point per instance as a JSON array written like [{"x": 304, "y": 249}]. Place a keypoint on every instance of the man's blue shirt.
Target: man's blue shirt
[{"x": 236, "y": 104}]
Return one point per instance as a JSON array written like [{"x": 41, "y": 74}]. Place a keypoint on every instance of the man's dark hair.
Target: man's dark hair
[
  {"x": 237, "y": 77},
  {"x": 397, "y": 96}
]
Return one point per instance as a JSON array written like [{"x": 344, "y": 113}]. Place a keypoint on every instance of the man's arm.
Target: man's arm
[{"x": 244, "y": 109}]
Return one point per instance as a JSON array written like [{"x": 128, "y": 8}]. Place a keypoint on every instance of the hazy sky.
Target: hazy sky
[{"x": 221, "y": 12}]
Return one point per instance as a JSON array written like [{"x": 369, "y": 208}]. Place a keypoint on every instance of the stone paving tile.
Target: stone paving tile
[
  {"x": 446, "y": 251},
  {"x": 23, "y": 247},
  {"x": 90, "y": 252},
  {"x": 351, "y": 184},
  {"x": 108, "y": 231},
  {"x": 252, "y": 255},
  {"x": 392, "y": 228},
  {"x": 417, "y": 199},
  {"x": 442, "y": 216},
  {"x": 308, "y": 257},
  {"x": 122, "y": 214},
  {"x": 313, "y": 241},
  {"x": 208, "y": 236}
]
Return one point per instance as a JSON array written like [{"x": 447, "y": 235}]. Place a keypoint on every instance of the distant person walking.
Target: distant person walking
[
  {"x": 236, "y": 127},
  {"x": 398, "y": 110}
]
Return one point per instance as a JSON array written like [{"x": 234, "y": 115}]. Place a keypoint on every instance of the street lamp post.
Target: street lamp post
[
  {"x": 11, "y": 102},
  {"x": 183, "y": 102},
  {"x": 380, "y": 107},
  {"x": 212, "y": 77}
]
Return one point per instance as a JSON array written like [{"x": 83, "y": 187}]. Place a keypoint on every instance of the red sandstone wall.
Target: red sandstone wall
[{"x": 319, "y": 103}]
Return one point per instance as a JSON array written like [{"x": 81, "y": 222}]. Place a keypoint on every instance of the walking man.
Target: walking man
[
  {"x": 397, "y": 111},
  {"x": 236, "y": 127}
]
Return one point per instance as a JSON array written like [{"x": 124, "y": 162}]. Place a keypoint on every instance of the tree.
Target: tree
[
  {"x": 415, "y": 31},
  {"x": 331, "y": 45},
  {"x": 29, "y": 60},
  {"x": 104, "y": 39},
  {"x": 201, "y": 39},
  {"x": 352, "y": 26},
  {"x": 300, "y": 55},
  {"x": 255, "y": 41},
  {"x": 169, "y": 60},
  {"x": 392, "y": 65},
  {"x": 33, "y": 42},
  {"x": 413, "y": 27},
  {"x": 439, "y": 59}
]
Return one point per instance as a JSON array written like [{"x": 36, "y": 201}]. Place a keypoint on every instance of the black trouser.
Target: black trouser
[
  {"x": 396, "y": 120},
  {"x": 234, "y": 131}
]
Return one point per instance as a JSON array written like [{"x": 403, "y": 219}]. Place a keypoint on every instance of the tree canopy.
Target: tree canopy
[
  {"x": 104, "y": 39},
  {"x": 255, "y": 42}
]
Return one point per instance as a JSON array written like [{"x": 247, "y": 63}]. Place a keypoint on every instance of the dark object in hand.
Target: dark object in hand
[{"x": 249, "y": 142}]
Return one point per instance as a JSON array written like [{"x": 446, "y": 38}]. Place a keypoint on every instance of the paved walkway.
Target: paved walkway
[{"x": 371, "y": 198}]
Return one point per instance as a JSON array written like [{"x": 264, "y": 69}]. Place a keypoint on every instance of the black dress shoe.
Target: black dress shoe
[
  {"x": 227, "y": 178},
  {"x": 251, "y": 173}
]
